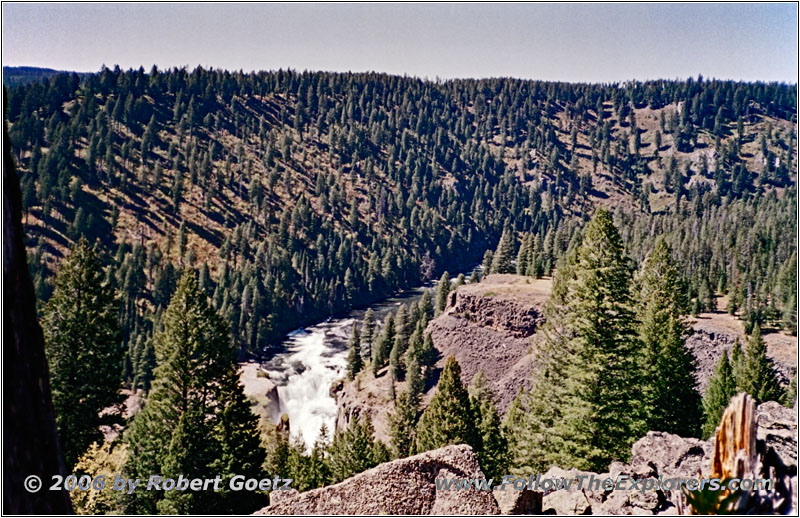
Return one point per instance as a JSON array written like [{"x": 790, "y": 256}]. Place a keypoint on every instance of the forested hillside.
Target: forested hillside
[{"x": 298, "y": 195}]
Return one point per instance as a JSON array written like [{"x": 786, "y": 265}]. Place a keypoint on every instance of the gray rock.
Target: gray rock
[
  {"x": 777, "y": 426},
  {"x": 525, "y": 501},
  {"x": 403, "y": 486}
]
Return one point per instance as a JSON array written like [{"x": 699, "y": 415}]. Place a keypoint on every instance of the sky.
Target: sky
[{"x": 565, "y": 42}]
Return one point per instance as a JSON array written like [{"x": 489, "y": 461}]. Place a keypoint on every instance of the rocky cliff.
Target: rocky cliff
[{"x": 488, "y": 327}]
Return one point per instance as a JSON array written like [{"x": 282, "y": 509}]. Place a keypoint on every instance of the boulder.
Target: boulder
[
  {"x": 403, "y": 486},
  {"x": 512, "y": 501},
  {"x": 777, "y": 426}
]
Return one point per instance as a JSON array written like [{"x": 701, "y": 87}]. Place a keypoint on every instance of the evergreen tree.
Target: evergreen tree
[
  {"x": 493, "y": 456},
  {"x": 758, "y": 377},
  {"x": 196, "y": 420},
  {"x": 442, "y": 290},
  {"x": 383, "y": 344},
  {"x": 82, "y": 340},
  {"x": 721, "y": 388},
  {"x": 354, "y": 361},
  {"x": 588, "y": 358},
  {"x": 450, "y": 417},
  {"x": 426, "y": 307},
  {"x": 403, "y": 423},
  {"x": 737, "y": 365},
  {"x": 672, "y": 400},
  {"x": 503, "y": 258},
  {"x": 790, "y": 396},
  {"x": 401, "y": 338},
  {"x": 367, "y": 334},
  {"x": 602, "y": 414},
  {"x": 523, "y": 255},
  {"x": 486, "y": 265},
  {"x": 354, "y": 450}
]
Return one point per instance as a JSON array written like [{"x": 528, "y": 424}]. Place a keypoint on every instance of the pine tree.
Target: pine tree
[
  {"x": 450, "y": 417},
  {"x": 672, "y": 400},
  {"x": 721, "y": 388},
  {"x": 402, "y": 424},
  {"x": 82, "y": 340},
  {"x": 486, "y": 265},
  {"x": 530, "y": 418},
  {"x": 426, "y": 307},
  {"x": 737, "y": 365},
  {"x": 494, "y": 455},
  {"x": 602, "y": 415},
  {"x": 523, "y": 255},
  {"x": 353, "y": 450},
  {"x": 588, "y": 366},
  {"x": 790, "y": 396},
  {"x": 442, "y": 290},
  {"x": 758, "y": 377},
  {"x": 367, "y": 334},
  {"x": 383, "y": 344},
  {"x": 354, "y": 361},
  {"x": 503, "y": 259},
  {"x": 401, "y": 338},
  {"x": 196, "y": 419}
]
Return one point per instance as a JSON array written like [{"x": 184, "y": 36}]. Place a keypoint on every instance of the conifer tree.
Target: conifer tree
[
  {"x": 450, "y": 417},
  {"x": 530, "y": 418},
  {"x": 402, "y": 333},
  {"x": 403, "y": 423},
  {"x": 367, "y": 334},
  {"x": 383, "y": 344},
  {"x": 442, "y": 290},
  {"x": 354, "y": 361},
  {"x": 503, "y": 259},
  {"x": 196, "y": 420},
  {"x": 82, "y": 341},
  {"x": 354, "y": 450},
  {"x": 493, "y": 456},
  {"x": 593, "y": 412},
  {"x": 672, "y": 401},
  {"x": 737, "y": 364},
  {"x": 758, "y": 377},
  {"x": 721, "y": 388},
  {"x": 522, "y": 255},
  {"x": 790, "y": 396},
  {"x": 426, "y": 307},
  {"x": 486, "y": 265},
  {"x": 602, "y": 414}
]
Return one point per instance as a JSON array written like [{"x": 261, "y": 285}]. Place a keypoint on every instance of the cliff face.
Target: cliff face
[{"x": 488, "y": 327}]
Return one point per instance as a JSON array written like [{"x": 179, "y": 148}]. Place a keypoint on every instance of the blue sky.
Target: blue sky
[{"x": 569, "y": 42}]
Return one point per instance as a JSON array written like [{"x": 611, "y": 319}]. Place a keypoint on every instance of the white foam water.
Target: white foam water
[{"x": 314, "y": 358}]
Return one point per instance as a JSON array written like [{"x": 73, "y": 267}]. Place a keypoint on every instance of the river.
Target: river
[{"x": 312, "y": 358}]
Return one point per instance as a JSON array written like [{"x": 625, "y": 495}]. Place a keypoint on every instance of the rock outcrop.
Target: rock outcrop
[
  {"x": 659, "y": 454},
  {"x": 404, "y": 486},
  {"x": 488, "y": 326},
  {"x": 262, "y": 391}
]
